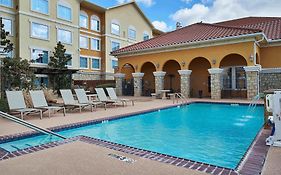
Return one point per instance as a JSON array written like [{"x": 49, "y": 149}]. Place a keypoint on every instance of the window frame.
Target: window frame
[
  {"x": 83, "y": 56},
  {"x": 12, "y": 25},
  {"x": 113, "y": 59},
  {"x": 65, "y": 4},
  {"x": 42, "y": 49},
  {"x": 83, "y": 13},
  {"x": 95, "y": 58},
  {"x": 36, "y": 37},
  {"x": 145, "y": 33},
  {"x": 132, "y": 28},
  {"x": 115, "y": 22},
  {"x": 114, "y": 41},
  {"x": 95, "y": 17},
  {"x": 38, "y": 11},
  {"x": 98, "y": 39},
  {"x": 83, "y": 36},
  {"x": 12, "y": 5},
  {"x": 69, "y": 66},
  {"x": 71, "y": 32}
]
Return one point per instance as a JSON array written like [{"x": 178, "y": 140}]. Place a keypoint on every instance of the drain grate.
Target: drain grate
[{"x": 122, "y": 158}]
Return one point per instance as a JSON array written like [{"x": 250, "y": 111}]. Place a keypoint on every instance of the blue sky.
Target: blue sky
[{"x": 165, "y": 13}]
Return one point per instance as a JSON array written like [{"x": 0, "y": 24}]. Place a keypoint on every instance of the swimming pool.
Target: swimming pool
[{"x": 217, "y": 134}]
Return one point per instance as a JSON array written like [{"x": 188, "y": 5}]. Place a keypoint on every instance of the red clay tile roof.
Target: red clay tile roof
[{"x": 204, "y": 32}]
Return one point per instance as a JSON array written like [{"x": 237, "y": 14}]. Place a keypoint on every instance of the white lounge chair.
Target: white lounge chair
[
  {"x": 83, "y": 99},
  {"x": 39, "y": 101},
  {"x": 17, "y": 104},
  {"x": 103, "y": 98},
  {"x": 113, "y": 96},
  {"x": 69, "y": 101}
]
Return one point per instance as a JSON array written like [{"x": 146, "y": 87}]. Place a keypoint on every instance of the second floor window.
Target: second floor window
[
  {"x": 40, "y": 56},
  {"x": 83, "y": 20},
  {"x": 132, "y": 34},
  {"x": 115, "y": 46},
  {"x": 64, "y": 12},
  {"x": 40, "y": 31},
  {"x": 95, "y": 44},
  {"x": 7, "y": 25},
  {"x": 6, "y": 3},
  {"x": 64, "y": 36},
  {"x": 84, "y": 62},
  {"x": 95, "y": 63},
  {"x": 95, "y": 23},
  {"x": 41, "y": 6},
  {"x": 145, "y": 37},
  {"x": 84, "y": 42},
  {"x": 115, "y": 29}
]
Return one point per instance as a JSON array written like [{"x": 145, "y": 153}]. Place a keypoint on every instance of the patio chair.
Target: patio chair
[
  {"x": 69, "y": 101},
  {"x": 83, "y": 99},
  {"x": 39, "y": 101},
  {"x": 113, "y": 96},
  {"x": 103, "y": 98},
  {"x": 17, "y": 104}
]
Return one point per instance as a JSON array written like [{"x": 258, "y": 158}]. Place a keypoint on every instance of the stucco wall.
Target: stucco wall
[{"x": 271, "y": 57}]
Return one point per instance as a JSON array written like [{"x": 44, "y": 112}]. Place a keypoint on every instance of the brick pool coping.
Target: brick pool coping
[{"x": 247, "y": 167}]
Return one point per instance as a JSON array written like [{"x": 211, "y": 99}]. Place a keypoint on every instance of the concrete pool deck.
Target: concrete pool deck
[{"x": 142, "y": 103}]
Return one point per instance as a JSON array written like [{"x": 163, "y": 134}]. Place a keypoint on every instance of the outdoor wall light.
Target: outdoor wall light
[
  {"x": 183, "y": 63},
  {"x": 157, "y": 65},
  {"x": 251, "y": 58},
  {"x": 214, "y": 61}
]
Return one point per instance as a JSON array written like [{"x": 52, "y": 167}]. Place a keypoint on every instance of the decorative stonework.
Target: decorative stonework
[
  {"x": 252, "y": 75},
  {"x": 119, "y": 80},
  {"x": 270, "y": 79},
  {"x": 185, "y": 82},
  {"x": 138, "y": 83},
  {"x": 216, "y": 84},
  {"x": 159, "y": 81},
  {"x": 86, "y": 76}
]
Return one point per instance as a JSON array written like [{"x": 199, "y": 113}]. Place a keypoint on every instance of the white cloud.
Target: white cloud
[
  {"x": 221, "y": 10},
  {"x": 147, "y": 3},
  {"x": 186, "y": 1},
  {"x": 161, "y": 25}
]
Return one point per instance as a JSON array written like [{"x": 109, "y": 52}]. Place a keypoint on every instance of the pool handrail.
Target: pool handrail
[{"x": 29, "y": 125}]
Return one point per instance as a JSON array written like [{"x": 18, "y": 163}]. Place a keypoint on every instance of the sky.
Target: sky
[{"x": 164, "y": 14}]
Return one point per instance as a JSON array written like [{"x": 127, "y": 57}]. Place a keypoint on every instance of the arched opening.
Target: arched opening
[
  {"x": 234, "y": 76},
  {"x": 200, "y": 85},
  {"x": 148, "y": 79},
  {"x": 172, "y": 77},
  {"x": 128, "y": 84}
]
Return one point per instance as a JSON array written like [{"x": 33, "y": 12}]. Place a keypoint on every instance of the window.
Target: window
[
  {"x": 95, "y": 63},
  {"x": 6, "y": 3},
  {"x": 41, "y": 6},
  {"x": 41, "y": 80},
  {"x": 39, "y": 31},
  {"x": 234, "y": 78},
  {"x": 84, "y": 42},
  {"x": 84, "y": 62},
  {"x": 40, "y": 56},
  {"x": 64, "y": 12},
  {"x": 115, "y": 46},
  {"x": 95, "y": 23},
  {"x": 132, "y": 34},
  {"x": 95, "y": 44},
  {"x": 83, "y": 20},
  {"x": 145, "y": 36},
  {"x": 114, "y": 63},
  {"x": 7, "y": 25},
  {"x": 115, "y": 29},
  {"x": 69, "y": 63},
  {"x": 64, "y": 36}
]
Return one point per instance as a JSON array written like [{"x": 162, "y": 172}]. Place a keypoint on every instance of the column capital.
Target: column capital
[
  {"x": 159, "y": 74},
  {"x": 119, "y": 75},
  {"x": 215, "y": 71},
  {"x": 138, "y": 75},
  {"x": 185, "y": 72},
  {"x": 252, "y": 68}
]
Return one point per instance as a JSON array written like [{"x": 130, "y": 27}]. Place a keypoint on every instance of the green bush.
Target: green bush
[{"x": 4, "y": 105}]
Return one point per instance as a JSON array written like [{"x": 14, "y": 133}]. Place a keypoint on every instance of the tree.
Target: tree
[
  {"x": 5, "y": 42},
  {"x": 58, "y": 62}
]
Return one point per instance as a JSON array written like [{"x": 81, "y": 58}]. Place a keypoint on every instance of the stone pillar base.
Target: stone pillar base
[
  {"x": 185, "y": 82},
  {"x": 252, "y": 76},
  {"x": 138, "y": 83},
  {"x": 159, "y": 81},
  {"x": 216, "y": 84},
  {"x": 119, "y": 78}
]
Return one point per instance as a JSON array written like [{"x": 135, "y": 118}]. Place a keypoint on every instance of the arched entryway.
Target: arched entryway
[
  {"x": 128, "y": 84},
  {"x": 148, "y": 79},
  {"x": 200, "y": 85},
  {"x": 172, "y": 77},
  {"x": 234, "y": 76}
]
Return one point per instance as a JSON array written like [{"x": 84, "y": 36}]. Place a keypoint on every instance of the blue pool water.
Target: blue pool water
[{"x": 217, "y": 134}]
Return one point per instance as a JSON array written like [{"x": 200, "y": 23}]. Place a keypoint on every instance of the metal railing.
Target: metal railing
[
  {"x": 180, "y": 96},
  {"x": 29, "y": 125}
]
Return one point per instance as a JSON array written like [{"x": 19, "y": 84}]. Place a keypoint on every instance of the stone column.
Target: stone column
[
  {"x": 138, "y": 83},
  {"x": 119, "y": 78},
  {"x": 216, "y": 82},
  {"x": 185, "y": 82},
  {"x": 252, "y": 77},
  {"x": 159, "y": 81}
]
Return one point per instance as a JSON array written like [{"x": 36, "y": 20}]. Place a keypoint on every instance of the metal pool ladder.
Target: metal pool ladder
[
  {"x": 181, "y": 97},
  {"x": 29, "y": 125}
]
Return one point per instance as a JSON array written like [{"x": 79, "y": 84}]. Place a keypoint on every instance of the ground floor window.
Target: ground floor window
[
  {"x": 41, "y": 80},
  {"x": 234, "y": 78},
  {"x": 84, "y": 62},
  {"x": 40, "y": 56},
  {"x": 114, "y": 63}
]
